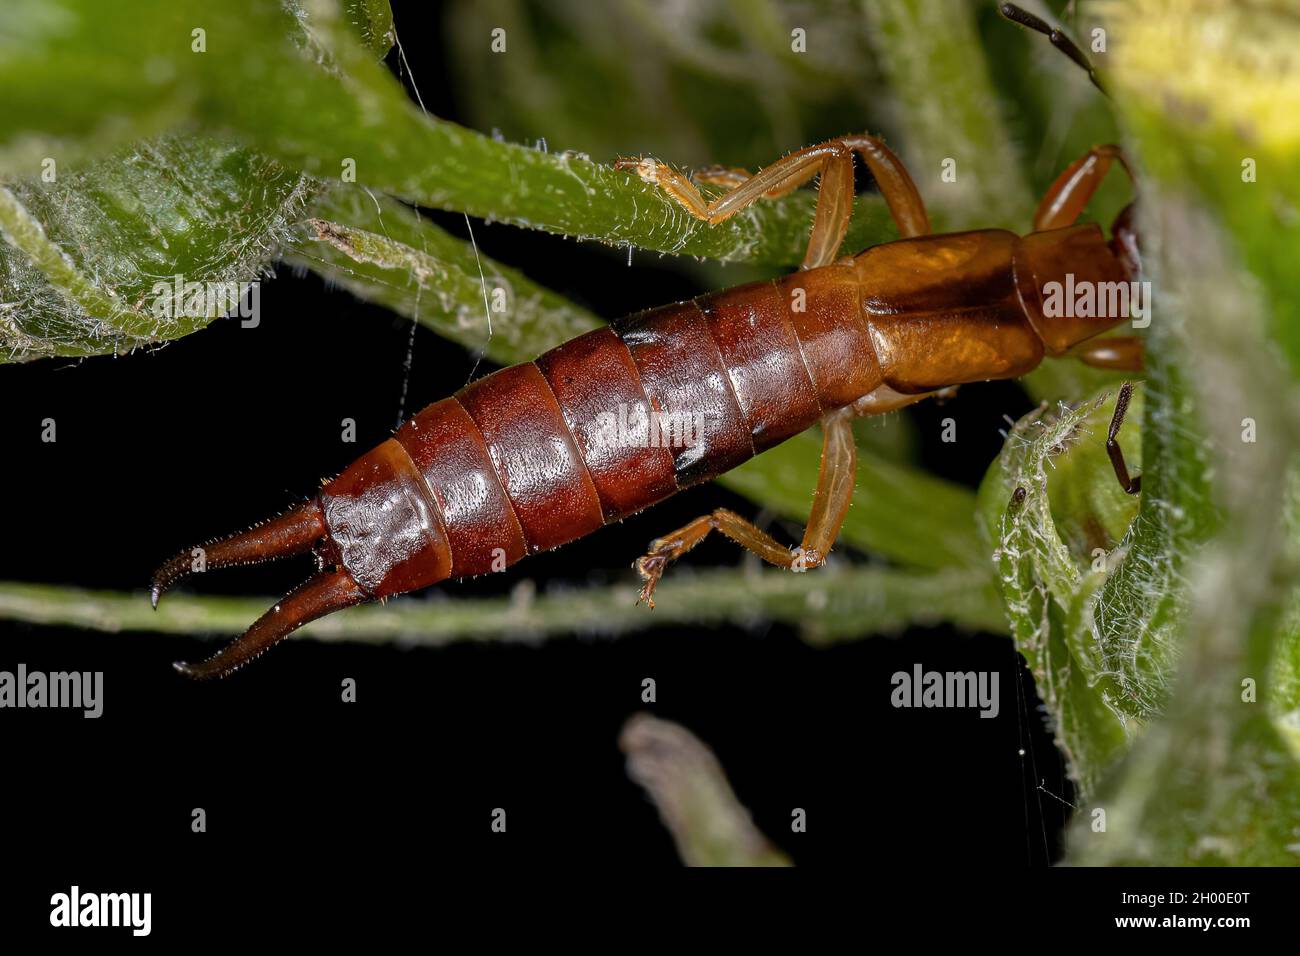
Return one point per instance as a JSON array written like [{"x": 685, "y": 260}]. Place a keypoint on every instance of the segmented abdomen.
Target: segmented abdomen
[{"x": 538, "y": 454}]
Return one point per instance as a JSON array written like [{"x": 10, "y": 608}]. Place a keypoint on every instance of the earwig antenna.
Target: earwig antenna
[{"x": 1059, "y": 39}]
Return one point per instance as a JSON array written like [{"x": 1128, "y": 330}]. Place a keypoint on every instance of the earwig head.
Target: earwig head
[{"x": 1074, "y": 284}]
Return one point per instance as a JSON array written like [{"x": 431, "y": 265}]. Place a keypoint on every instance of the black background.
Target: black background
[{"x": 160, "y": 449}]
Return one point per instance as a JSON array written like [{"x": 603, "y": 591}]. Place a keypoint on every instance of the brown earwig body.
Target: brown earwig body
[{"x": 536, "y": 455}]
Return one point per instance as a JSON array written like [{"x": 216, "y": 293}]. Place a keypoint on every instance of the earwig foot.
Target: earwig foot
[
  {"x": 805, "y": 559},
  {"x": 651, "y": 568},
  {"x": 645, "y": 167}
]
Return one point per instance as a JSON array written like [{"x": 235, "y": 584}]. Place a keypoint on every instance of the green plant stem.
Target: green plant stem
[{"x": 832, "y": 604}]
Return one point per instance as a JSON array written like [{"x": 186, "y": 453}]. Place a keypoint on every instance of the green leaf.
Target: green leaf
[
  {"x": 1200, "y": 603},
  {"x": 372, "y": 21},
  {"x": 95, "y": 248},
  {"x": 92, "y": 258},
  {"x": 1045, "y": 474},
  {"x": 83, "y": 78},
  {"x": 383, "y": 251},
  {"x": 326, "y": 117}
]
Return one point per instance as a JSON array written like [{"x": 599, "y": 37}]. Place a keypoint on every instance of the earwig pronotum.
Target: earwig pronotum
[{"x": 518, "y": 461}]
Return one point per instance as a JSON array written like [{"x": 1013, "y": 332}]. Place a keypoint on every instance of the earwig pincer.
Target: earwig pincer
[{"x": 522, "y": 460}]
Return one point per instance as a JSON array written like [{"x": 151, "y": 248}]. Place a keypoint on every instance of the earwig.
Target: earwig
[{"x": 524, "y": 460}]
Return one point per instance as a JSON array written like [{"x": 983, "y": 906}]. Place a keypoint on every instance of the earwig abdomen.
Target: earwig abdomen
[
  {"x": 688, "y": 389},
  {"x": 834, "y": 338},
  {"x": 760, "y": 351},
  {"x": 538, "y": 462},
  {"x": 383, "y": 524},
  {"x": 599, "y": 390},
  {"x": 538, "y": 454},
  {"x": 449, "y": 450}
]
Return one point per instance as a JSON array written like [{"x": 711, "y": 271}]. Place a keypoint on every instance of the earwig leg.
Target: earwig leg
[
  {"x": 724, "y": 176},
  {"x": 831, "y": 503},
  {"x": 780, "y": 178},
  {"x": 884, "y": 399},
  {"x": 895, "y": 184},
  {"x": 1122, "y": 353},
  {"x": 835, "y": 192},
  {"x": 834, "y": 209},
  {"x": 1131, "y": 485},
  {"x": 323, "y": 593},
  {"x": 732, "y": 178},
  {"x": 669, "y": 548},
  {"x": 681, "y": 189},
  {"x": 1066, "y": 198},
  {"x": 294, "y": 532},
  {"x": 835, "y": 482}
]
